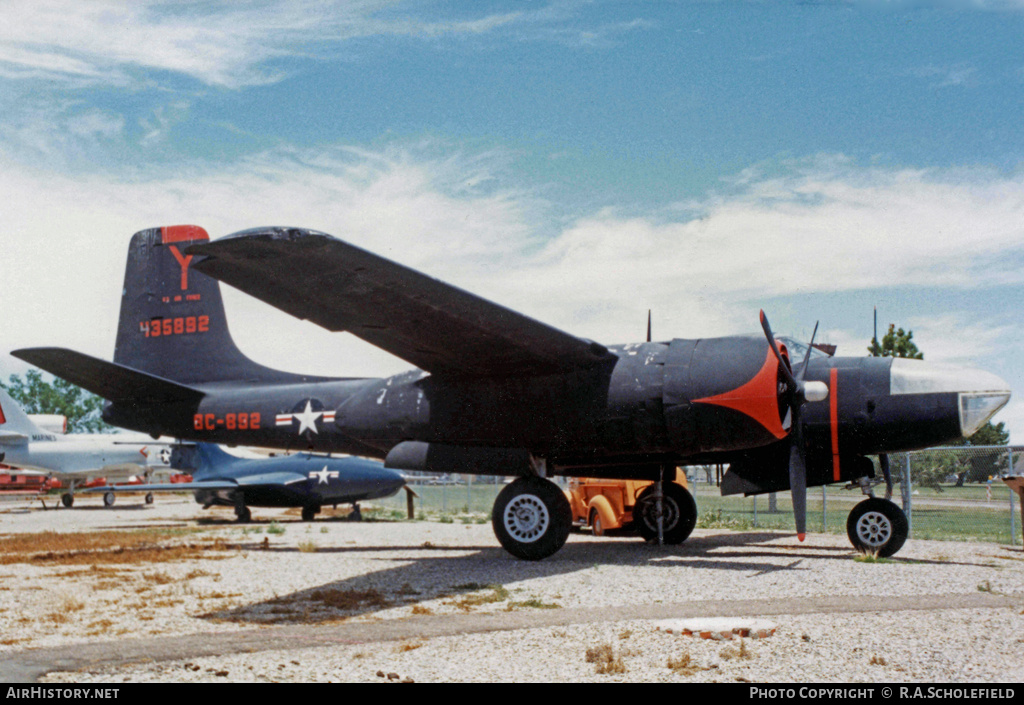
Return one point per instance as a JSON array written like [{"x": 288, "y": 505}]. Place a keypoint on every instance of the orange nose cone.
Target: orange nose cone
[{"x": 801, "y": 537}]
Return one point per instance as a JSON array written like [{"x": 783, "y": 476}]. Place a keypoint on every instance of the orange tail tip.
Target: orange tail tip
[{"x": 183, "y": 233}]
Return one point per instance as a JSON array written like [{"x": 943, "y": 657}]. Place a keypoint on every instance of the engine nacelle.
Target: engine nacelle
[{"x": 723, "y": 394}]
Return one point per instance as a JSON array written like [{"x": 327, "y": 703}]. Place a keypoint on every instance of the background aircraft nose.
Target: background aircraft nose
[{"x": 980, "y": 394}]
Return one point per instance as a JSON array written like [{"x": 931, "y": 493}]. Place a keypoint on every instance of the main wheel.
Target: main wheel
[
  {"x": 678, "y": 519},
  {"x": 108, "y": 499},
  {"x": 595, "y": 522},
  {"x": 531, "y": 518},
  {"x": 67, "y": 499},
  {"x": 309, "y": 513},
  {"x": 877, "y": 526}
]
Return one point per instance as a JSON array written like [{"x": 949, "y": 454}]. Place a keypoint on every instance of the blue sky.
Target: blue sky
[{"x": 579, "y": 161}]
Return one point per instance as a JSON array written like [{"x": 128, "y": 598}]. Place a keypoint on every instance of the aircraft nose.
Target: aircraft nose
[{"x": 979, "y": 394}]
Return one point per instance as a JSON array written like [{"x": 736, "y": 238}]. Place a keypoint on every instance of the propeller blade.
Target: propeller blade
[
  {"x": 798, "y": 479},
  {"x": 790, "y": 380},
  {"x": 798, "y": 490},
  {"x": 810, "y": 347}
]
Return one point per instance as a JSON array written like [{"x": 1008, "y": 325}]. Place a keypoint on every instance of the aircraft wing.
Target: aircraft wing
[
  {"x": 167, "y": 487},
  {"x": 267, "y": 479},
  {"x": 275, "y": 479},
  {"x": 433, "y": 325},
  {"x": 109, "y": 380},
  {"x": 12, "y": 437}
]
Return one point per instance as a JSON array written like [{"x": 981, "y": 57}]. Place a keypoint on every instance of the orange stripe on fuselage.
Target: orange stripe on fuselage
[
  {"x": 182, "y": 233},
  {"x": 758, "y": 398},
  {"x": 833, "y": 420}
]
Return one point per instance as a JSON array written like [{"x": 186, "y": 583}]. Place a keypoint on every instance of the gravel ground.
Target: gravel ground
[{"x": 251, "y": 580}]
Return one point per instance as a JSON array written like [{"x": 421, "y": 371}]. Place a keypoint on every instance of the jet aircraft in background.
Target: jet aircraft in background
[
  {"x": 300, "y": 480},
  {"x": 499, "y": 393},
  {"x": 38, "y": 443}
]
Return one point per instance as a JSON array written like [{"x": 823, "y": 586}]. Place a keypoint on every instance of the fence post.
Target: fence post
[
  {"x": 905, "y": 491},
  {"x": 1013, "y": 514},
  {"x": 824, "y": 509}
]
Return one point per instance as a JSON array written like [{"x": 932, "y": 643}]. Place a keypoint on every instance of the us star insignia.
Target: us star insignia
[{"x": 323, "y": 475}]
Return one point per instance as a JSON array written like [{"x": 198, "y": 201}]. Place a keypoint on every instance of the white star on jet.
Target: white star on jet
[
  {"x": 323, "y": 475},
  {"x": 307, "y": 419}
]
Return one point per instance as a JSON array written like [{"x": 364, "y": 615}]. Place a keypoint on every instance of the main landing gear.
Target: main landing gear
[
  {"x": 678, "y": 513},
  {"x": 532, "y": 518}
]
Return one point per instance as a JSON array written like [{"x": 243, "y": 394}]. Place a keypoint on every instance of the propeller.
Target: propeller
[{"x": 800, "y": 392}]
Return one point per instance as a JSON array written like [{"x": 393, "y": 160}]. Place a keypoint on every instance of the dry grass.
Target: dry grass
[
  {"x": 104, "y": 547},
  {"x": 683, "y": 665},
  {"x": 740, "y": 652},
  {"x": 498, "y": 593},
  {"x": 606, "y": 661}
]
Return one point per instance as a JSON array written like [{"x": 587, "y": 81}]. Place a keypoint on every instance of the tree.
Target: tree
[
  {"x": 895, "y": 343},
  {"x": 984, "y": 464},
  {"x": 976, "y": 468},
  {"x": 37, "y": 396}
]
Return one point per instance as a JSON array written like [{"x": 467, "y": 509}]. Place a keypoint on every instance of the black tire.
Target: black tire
[
  {"x": 149, "y": 498},
  {"x": 309, "y": 513},
  {"x": 243, "y": 514},
  {"x": 877, "y": 526},
  {"x": 108, "y": 499},
  {"x": 679, "y": 519},
  {"x": 531, "y": 518},
  {"x": 67, "y": 499}
]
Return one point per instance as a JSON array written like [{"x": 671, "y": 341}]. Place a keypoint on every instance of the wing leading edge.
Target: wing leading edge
[{"x": 435, "y": 326}]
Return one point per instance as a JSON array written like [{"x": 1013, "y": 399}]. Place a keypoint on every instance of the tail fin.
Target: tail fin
[
  {"x": 172, "y": 322},
  {"x": 201, "y": 459},
  {"x": 15, "y": 425}
]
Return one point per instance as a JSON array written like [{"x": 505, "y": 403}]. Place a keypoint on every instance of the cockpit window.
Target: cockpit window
[{"x": 798, "y": 351}]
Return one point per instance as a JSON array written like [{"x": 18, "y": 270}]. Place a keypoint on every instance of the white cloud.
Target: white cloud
[{"x": 224, "y": 45}]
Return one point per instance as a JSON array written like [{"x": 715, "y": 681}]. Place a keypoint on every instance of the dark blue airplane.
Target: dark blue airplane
[{"x": 300, "y": 480}]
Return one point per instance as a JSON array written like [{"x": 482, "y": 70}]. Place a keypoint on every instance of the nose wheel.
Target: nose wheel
[{"x": 877, "y": 526}]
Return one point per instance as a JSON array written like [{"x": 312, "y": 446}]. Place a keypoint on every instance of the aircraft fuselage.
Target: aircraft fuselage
[{"x": 647, "y": 404}]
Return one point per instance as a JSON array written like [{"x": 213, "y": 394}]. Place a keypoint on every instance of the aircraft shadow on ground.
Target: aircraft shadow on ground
[{"x": 483, "y": 571}]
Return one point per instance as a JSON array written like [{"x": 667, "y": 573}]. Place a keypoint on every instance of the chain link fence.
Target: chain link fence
[{"x": 953, "y": 493}]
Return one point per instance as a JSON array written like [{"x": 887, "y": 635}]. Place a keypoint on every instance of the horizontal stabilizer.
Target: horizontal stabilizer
[
  {"x": 12, "y": 437},
  {"x": 437, "y": 327},
  {"x": 113, "y": 382}
]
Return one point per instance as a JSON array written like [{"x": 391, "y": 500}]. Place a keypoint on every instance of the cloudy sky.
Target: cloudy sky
[{"x": 582, "y": 162}]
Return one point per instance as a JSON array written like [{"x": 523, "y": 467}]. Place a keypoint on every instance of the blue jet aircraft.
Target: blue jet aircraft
[{"x": 301, "y": 480}]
